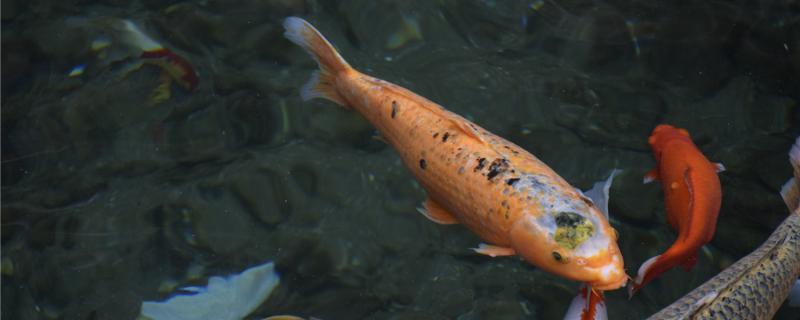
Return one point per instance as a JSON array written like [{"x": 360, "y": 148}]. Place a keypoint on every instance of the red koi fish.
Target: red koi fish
[
  {"x": 154, "y": 53},
  {"x": 692, "y": 196}
]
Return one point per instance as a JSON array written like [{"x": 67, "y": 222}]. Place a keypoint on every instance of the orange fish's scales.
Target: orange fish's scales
[{"x": 499, "y": 191}]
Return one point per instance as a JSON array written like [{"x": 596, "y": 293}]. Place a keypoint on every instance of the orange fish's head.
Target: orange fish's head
[
  {"x": 664, "y": 133},
  {"x": 575, "y": 242}
]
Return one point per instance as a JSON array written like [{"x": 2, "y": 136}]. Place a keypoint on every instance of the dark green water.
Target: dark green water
[{"x": 107, "y": 197}]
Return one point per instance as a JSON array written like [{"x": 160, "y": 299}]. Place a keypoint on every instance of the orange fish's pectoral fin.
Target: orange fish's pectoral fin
[
  {"x": 720, "y": 167},
  {"x": 651, "y": 176},
  {"x": 379, "y": 137},
  {"x": 689, "y": 263},
  {"x": 494, "y": 251},
  {"x": 437, "y": 213}
]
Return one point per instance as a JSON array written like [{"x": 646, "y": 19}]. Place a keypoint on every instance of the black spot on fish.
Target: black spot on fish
[
  {"x": 497, "y": 167},
  {"x": 557, "y": 256},
  {"x": 445, "y": 136},
  {"x": 512, "y": 181},
  {"x": 422, "y": 164},
  {"x": 435, "y": 134},
  {"x": 481, "y": 164},
  {"x": 394, "y": 108}
]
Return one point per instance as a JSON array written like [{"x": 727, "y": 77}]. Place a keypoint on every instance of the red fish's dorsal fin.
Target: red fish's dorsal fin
[{"x": 321, "y": 84}]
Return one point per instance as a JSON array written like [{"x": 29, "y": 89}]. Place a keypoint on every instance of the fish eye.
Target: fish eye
[{"x": 558, "y": 257}]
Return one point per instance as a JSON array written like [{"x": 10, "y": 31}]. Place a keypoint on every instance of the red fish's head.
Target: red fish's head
[
  {"x": 576, "y": 245},
  {"x": 664, "y": 133}
]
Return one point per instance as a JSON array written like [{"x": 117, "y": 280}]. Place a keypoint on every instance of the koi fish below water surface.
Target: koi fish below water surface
[
  {"x": 499, "y": 191},
  {"x": 755, "y": 286},
  {"x": 692, "y": 196}
]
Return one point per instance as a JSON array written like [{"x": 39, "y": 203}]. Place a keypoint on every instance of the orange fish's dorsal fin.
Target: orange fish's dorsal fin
[
  {"x": 651, "y": 176},
  {"x": 321, "y": 84},
  {"x": 436, "y": 213},
  {"x": 494, "y": 251}
]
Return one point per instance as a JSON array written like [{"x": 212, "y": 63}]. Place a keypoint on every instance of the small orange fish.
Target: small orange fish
[
  {"x": 499, "y": 191},
  {"x": 692, "y": 196}
]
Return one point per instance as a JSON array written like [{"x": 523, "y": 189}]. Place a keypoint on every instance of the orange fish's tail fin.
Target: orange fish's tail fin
[
  {"x": 791, "y": 189},
  {"x": 323, "y": 82}
]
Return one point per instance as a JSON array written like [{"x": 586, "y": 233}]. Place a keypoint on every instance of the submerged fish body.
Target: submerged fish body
[
  {"x": 755, "y": 286},
  {"x": 587, "y": 305},
  {"x": 502, "y": 193},
  {"x": 692, "y": 196}
]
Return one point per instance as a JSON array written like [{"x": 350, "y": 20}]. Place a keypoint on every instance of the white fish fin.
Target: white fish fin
[
  {"x": 322, "y": 82},
  {"x": 794, "y": 157},
  {"x": 579, "y": 304},
  {"x": 135, "y": 37},
  {"x": 720, "y": 167},
  {"x": 233, "y": 297},
  {"x": 794, "y": 295},
  {"x": 640, "y": 275},
  {"x": 599, "y": 193},
  {"x": 650, "y": 176},
  {"x": 791, "y": 194},
  {"x": 494, "y": 251}
]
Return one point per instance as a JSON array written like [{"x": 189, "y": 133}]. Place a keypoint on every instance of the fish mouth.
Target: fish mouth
[{"x": 612, "y": 285}]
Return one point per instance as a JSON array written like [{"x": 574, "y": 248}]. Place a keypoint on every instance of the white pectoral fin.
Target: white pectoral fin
[
  {"x": 720, "y": 167},
  {"x": 794, "y": 295},
  {"x": 494, "y": 251},
  {"x": 599, "y": 193},
  {"x": 233, "y": 297}
]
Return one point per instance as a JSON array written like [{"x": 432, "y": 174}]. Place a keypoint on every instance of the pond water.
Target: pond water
[{"x": 122, "y": 179}]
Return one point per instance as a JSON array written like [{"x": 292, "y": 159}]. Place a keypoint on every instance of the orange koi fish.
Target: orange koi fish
[
  {"x": 692, "y": 196},
  {"x": 499, "y": 191}
]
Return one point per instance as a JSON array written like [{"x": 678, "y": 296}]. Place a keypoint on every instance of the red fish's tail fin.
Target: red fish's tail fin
[
  {"x": 323, "y": 82},
  {"x": 791, "y": 189},
  {"x": 680, "y": 253}
]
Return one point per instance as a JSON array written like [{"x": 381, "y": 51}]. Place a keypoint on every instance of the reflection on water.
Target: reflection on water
[{"x": 110, "y": 199}]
